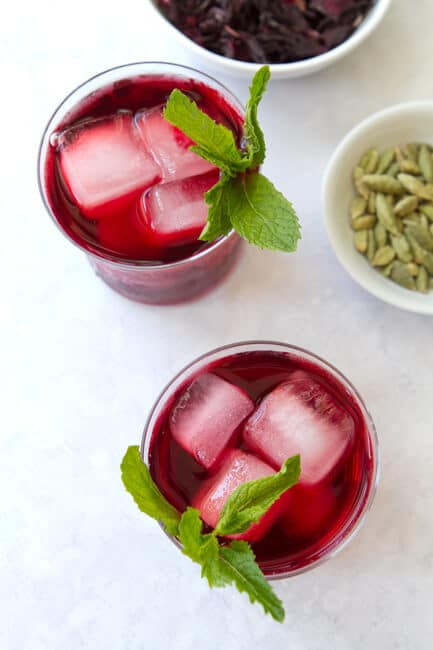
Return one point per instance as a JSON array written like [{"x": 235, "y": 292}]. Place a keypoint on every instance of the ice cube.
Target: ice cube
[
  {"x": 301, "y": 417},
  {"x": 206, "y": 415},
  {"x": 310, "y": 510},
  {"x": 169, "y": 147},
  {"x": 175, "y": 213},
  {"x": 238, "y": 467},
  {"x": 105, "y": 165}
]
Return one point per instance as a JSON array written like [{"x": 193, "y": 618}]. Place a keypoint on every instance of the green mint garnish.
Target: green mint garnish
[
  {"x": 254, "y": 135},
  {"x": 139, "y": 483},
  {"x": 218, "y": 222},
  {"x": 251, "y": 500},
  {"x": 237, "y": 563},
  {"x": 203, "y": 549},
  {"x": 221, "y": 564},
  {"x": 260, "y": 213},
  {"x": 213, "y": 141},
  {"x": 243, "y": 199}
]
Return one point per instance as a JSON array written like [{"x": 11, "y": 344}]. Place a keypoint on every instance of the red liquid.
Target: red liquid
[
  {"x": 315, "y": 524},
  {"x": 120, "y": 241}
]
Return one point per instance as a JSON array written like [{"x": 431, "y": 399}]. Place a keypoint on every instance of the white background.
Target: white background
[{"x": 80, "y": 567}]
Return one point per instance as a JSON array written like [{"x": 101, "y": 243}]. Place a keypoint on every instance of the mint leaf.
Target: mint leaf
[
  {"x": 254, "y": 135},
  {"x": 221, "y": 565},
  {"x": 218, "y": 221},
  {"x": 247, "y": 202},
  {"x": 200, "y": 548},
  {"x": 139, "y": 483},
  {"x": 190, "y": 536},
  {"x": 213, "y": 141},
  {"x": 227, "y": 565},
  {"x": 251, "y": 500},
  {"x": 203, "y": 549},
  {"x": 237, "y": 565},
  {"x": 261, "y": 214}
]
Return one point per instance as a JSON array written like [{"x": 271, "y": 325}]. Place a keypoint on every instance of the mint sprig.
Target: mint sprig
[
  {"x": 221, "y": 563},
  {"x": 243, "y": 199},
  {"x": 251, "y": 500},
  {"x": 230, "y": 564}
]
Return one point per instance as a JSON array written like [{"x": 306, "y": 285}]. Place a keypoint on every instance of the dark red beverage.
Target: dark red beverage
[
  {"x": 123, "y": 185},
  {"x": 237, "y": 415}
]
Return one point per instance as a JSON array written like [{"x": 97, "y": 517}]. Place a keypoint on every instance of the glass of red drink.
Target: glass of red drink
[
  {"x": 235, "y": 415},
  {"x": 121, "y": 183}
]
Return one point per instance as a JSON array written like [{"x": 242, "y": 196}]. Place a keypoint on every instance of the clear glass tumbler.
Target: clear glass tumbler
[
  {"x": 141, "y": 280},
  {"x": 360, "y": 476}
]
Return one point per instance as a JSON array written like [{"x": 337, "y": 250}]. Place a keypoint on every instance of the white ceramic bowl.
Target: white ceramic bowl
[
  {"x": 283, "y": 70},
  {"x": 401, "y": 124}
]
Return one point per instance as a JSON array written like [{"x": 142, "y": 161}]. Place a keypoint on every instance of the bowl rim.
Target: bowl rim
[
  {"x": 379, "y": 290},
  {"x": 371, "y": 21}
]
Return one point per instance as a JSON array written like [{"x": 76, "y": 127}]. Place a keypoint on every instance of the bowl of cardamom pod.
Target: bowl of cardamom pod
[{"x": 377, "y": 199}]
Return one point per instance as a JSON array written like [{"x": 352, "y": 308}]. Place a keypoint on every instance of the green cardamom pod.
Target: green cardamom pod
[
  {"x": 393, "y": 169},
  {"x": 402, "y": 248},
  {"x": 417, "y": 250},
  {"x": 365, "y": 222},
  {"x": 409, "y": 167},
  {"x": 414, "y": 186},
  {"x": 365, "y": 158},
  {"x": 405, "y": 206},
  {"x": 413, "y": 269},
  {"x": 360, "y": 239},
  {"x": 358, "y": 208},
  {"x": 425, "y": 163},
  {"x": 369, "y": 161},
  {"x": 427, "y": 209},
  {"x": 385, "y": 214},
  {"x": 422, "y": 281},
  {"x": 398, "y": 154},
  {"x": 381, "y": 235},
  {"x": 423, "y": 222},
  {"x": 386, "y": 270},
  {"x": 382, "y": 183},
  {"x": 385, "y": 160},
  {"x": 372, "y": 203},
  {"x": 362, "y": 189},
  {"x": 383, "y": 256},
  {"x": 421, "y": 235},
  {"x": 413, "y": 217},
  {"x": 371, "y": 249},
  {"x": 427, "y": 261},
  {"x": 401, "y": 276},
  {"x": 411, "y": 151}
]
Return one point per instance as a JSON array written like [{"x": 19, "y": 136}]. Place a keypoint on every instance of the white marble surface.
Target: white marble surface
[{"x": 80, "y": 568}]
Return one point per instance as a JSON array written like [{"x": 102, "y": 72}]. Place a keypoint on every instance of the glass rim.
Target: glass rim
[
  {"x": 125, "y": 263},
  {"x": 354, "y": 525}
]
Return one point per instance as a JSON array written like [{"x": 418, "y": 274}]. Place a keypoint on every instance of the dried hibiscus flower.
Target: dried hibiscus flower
[{"x": 266, "y": 31}]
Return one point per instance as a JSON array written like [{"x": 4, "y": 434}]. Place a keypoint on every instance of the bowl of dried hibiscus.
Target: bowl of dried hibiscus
[{"x": 295, "y": 37}]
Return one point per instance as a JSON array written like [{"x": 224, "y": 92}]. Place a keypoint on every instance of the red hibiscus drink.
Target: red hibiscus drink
[
  {"x": 122, "y": 184},
  {"x": 235, "y": 415}
]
